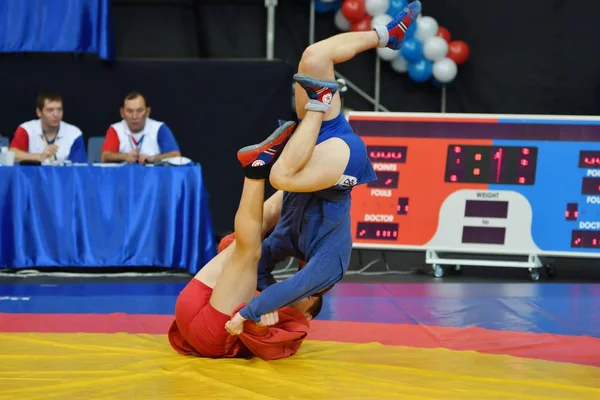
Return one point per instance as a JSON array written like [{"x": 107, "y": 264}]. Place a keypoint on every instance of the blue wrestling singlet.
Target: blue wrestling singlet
[{"x": 314, "y": 227}]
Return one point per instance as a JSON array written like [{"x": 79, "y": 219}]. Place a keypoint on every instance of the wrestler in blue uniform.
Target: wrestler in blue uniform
[
  {"x": 313, "y": 227},
  {"x": 316, "y": 226}
]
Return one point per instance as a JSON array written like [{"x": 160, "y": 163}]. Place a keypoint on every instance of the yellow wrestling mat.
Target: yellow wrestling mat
[{"x": 126, "y": 366}]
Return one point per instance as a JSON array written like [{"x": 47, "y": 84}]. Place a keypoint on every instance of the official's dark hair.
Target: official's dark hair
[
  {"x": 135, "y": 95},
  {"x": 40, "y": 100}
]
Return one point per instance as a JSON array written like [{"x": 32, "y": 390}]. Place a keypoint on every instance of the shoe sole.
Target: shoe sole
[
  {"x": 415, "y": 7},
  {"x": 307, "y": 80},
  {"x": 248, "y": 154}
]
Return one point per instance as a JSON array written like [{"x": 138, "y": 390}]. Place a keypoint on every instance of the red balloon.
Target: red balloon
[
  {"x": 364, "y": 24},
  {"x": 353, "y": 10},
  {"x": 458, "y": 51},
  {"x": 444, "y": 33}
]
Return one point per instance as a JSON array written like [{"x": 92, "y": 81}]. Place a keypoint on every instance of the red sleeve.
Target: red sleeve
[
  {"x": 279, "y": 341},
  {"x": 111, "y": 142},
  {"x": 226, "y": 242},
  {"x": 20, "y": 140}
]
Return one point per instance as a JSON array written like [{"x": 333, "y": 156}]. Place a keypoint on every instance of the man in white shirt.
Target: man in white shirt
[
  {"x": 138, "y": 138},
  {"x": 48, "y": 138}
]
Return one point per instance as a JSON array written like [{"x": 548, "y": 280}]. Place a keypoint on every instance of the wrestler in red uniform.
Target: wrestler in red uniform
[{"x": 228, "y": 281}]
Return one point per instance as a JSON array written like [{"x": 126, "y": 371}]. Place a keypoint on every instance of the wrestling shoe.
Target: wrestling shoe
[
  {"x": 320, "y": 92},
  {"x": 392, "y": 35},
  {"x": 258, "y": 159}
]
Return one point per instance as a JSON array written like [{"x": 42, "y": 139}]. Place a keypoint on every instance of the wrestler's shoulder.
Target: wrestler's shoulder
[{"x": 353, "y": 141}]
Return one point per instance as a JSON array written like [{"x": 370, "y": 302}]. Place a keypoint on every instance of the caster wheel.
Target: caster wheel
[
  {"x": 534, "y": 275},
  {"x": 550, "y": 270},
  {"x": 438, "y": 271},
  {"x": 456, "y": 270}
]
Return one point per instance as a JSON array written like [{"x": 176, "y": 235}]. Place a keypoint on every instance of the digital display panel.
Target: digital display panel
[
  {"x": 486, "y": 209},
  {"x": 483, "y": 235},
  {"x": 590, "y": 186},
  {"x": 377, "y": 230},
  {"x": 589, "y": 159},
  {"x": 509, "y": 165},
  {"x": 402, "y": 207},
  {"x": 585, "y": 239},
  {"x": 385, "y": 180},
  {"x": 389, "y": 154},
  {"x": 572, "y": 212}
]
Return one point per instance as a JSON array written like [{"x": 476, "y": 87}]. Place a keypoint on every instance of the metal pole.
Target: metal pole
[
  {"x": 377, "y": 81},
  {"x": 271, "y": 5},
  {"x": 311, "y": 26},
  {"x": 443, "y": 98},
  {"x": 360, "y": 92}
]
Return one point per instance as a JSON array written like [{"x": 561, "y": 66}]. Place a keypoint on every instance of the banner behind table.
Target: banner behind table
[
  {"x": 63, "y": 26},
  {"x": 126, "y": 216}
]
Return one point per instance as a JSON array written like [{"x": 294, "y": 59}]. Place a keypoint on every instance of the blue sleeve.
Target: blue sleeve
[
  {"x": 319, "y": 273},
  {"x": 166, "y": 140},
  {"x": 78, "y": 153},
  {"x": 359, "y": 164}
]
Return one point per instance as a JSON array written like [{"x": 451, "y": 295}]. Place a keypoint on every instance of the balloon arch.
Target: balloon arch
[{"x": 428, "y": 54}]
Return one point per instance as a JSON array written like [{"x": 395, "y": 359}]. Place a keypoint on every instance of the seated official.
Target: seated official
[
  {"x": 138, "y": 138},
  {"x": 48, "y": 138}
]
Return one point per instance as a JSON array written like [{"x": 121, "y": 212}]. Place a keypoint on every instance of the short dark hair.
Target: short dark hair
[
  {"x": 327, "y": 289},
  {"x": 41, "y": 98},
  {"x": 135, "y": 95},
  {"x": 315, "y": 309}
]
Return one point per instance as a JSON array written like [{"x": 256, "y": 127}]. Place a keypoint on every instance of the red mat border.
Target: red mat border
[{"x": 583, "y": 350}]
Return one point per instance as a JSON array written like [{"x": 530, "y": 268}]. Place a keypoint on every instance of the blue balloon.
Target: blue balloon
[
  {"x": 412, "y": 50},
  {"x": 323, "y": 7},
  {"x": 396, "y": 6},
  {"x": 420, "y": 71}
]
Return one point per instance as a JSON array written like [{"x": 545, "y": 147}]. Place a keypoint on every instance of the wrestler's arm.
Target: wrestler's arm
[
  {"x": 314, "y": 277},
  {"x": 323, "y": 170},
  {"x": 167, "y": 144},
  {"x": 169, "y": 154}
]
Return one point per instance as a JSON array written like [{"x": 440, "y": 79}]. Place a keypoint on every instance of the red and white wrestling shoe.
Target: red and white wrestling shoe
[{"x": 258, "y": 159}]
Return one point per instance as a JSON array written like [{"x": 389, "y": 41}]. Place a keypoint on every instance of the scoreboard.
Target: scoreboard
[{"x": 486, "y": 184}]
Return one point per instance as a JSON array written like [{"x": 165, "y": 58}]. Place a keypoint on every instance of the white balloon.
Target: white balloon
[
  {"x": 435, "y": 48},
  {"x": 382, "y": 19},
  {"x": 399, "y": 64},
  {"x": 427, "y": 27},
  {"x": 387, "y": 54},
  {"x": 341, "y": 22},
  {"x": 376, "y": 7},
  {"x": 445, "y": 70}
]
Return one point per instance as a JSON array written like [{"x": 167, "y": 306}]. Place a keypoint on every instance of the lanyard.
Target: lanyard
[
  {"x": 137, "y": 145},
  {"x": 48, "y": 141}
]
